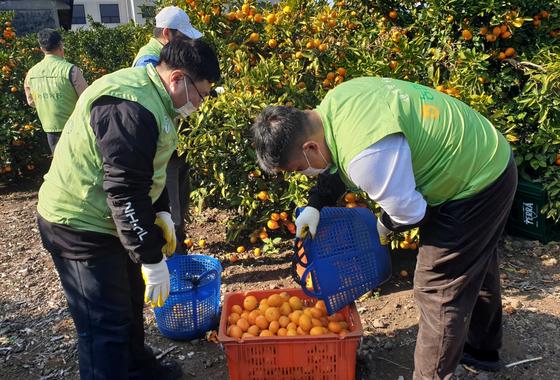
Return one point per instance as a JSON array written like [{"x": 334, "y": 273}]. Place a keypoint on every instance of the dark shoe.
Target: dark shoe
[
  {"x": 484, "y": 360},
  {"x": 168, "y": 370}
]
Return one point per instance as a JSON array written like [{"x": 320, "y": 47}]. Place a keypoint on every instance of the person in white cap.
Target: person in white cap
[{"x": 171, "y": 22}]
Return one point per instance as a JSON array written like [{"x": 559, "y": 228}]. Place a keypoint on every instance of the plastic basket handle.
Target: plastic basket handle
[
  {"x": 303, "y": 283},
  {"x": 297, "y": 259}
]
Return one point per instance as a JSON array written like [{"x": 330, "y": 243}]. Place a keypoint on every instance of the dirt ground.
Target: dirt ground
[{"x": 37, "y": 338}]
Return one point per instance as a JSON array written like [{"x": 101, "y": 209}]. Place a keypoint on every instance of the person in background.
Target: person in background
[
  {"x": 53, "y": 86},
  {"x": 170, "y": 23},
  {"x": 428, "y": 160},
  {"x": 103, "y": 209}
]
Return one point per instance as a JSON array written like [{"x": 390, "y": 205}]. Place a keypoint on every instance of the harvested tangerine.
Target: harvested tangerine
[
  {"x": 250, "y": 303},
  {"x": 243, "y": 324},
  {"x": 236, "y": 309},
  {"x": 275, "y": 300},
  {"x": 295, "y": 303},
  {"x": 272, "y": 314},
  {"x": 235, "y": 332}
]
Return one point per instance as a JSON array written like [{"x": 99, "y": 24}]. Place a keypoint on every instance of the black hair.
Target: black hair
[
  {"x": 158, "y": 32},
  {"x": 277, "y": 132},
  {"x": 49, "y": 39},
  {"x": 194, "y": 56}
]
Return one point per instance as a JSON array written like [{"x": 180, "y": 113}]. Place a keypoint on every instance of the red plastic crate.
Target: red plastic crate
[{"x": 287, "y": 358}]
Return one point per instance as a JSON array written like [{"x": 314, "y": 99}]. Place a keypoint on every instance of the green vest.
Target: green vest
[
  {"x": 72, "y": 193},
  {"x": 153, "y": 47},
  {"x": 52, "y": 91},
  {"x": 456, "y": 152}
]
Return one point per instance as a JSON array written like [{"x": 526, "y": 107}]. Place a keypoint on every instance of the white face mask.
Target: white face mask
[
  {"x": 188, "y": 108},
  {"x": 311, "y": 171}
]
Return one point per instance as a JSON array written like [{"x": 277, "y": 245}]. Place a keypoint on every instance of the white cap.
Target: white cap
[{"x": 176, "y": 18}]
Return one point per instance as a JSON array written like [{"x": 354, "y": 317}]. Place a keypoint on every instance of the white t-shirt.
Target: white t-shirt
[{"x": 384, "y": 171}]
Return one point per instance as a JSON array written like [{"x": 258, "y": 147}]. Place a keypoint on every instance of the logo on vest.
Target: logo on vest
[
  {"x": 166, "y": 125},
  {"x": 530, "y": 214}
]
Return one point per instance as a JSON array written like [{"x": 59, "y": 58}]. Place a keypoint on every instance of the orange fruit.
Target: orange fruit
[
  {"x": 243, "y": 324},
  {"x": 263, "y": 235},
  {"x": 305, "y": 322},
  {"x": 275, "y": 300},
  {"x": 233, "y": 258},
  {"x": 273, "y": 327},
  {"x": 330, "y": 75},
  {"x": 254, "y": 37},
  {"x": 285, "y": 296},
  {"x": 233, "y": 318},
  {"x": 263, "y": 305},
  {"x": 272, "y": 43},
  {"x": 292, "y": 333},
  {"x": 351, "y": 205},
  {"x": 334, "y": 327},
  {"x": 316, "y": 322},
  {"x": 250, "y": 303},
  {"x": 263, "y": 196},
  {"x": 292, "y": 326},
  {"x": 341, "y": 71},
  {"x": 254, "y": 330},
  {"x": 13, "y": 89},
  {"x": 503, "y": 28},
  {"x": 323, "y": 47},
  {"x": 393, "y": 14},
  {"x": 202, "y": 243},
  {"x": 275, "y": 216},
  {"x": 235, "y": 332},
  {"x": 301, "y": 331},
  {"x": 240, "y": 249},
  {"x": 253, "y": 316},
  {"x": 403, "y": 273},
  {"x": 510, "y": 52},
  {"x": 315, "y": 312},
  {"x": 261, "y": 322},
  {"x": 491, "y": 38},
  {"x": 299, "y": 55},
  {"x": 257, "y": 252},
  {"x": 295, "y": 315},
  {"x": 284, "y": 321},
  {"x": 505, "y": 35},
  {"x": 258, "y": 18},
  {"x": 189, "y": 242},
  {"x": 266, "y": 333},
  {"x": 467, "y": 34},
  {"x": 502, "y": 56},
  {"x": 350, "y": 197},
  {"x": 496, "y": 31},
  {"x": 483, "y": 30},
  {"x": 272, "y": 224},
  {"x": 282, "y": 331},
  {"x": 236, "y": 309},
  {"x": 295, "y": 303},
  {"x": 393, "y": 65},
  {"x": 413, "y": 245},
  {"x": 317, "y": 330},
  {"x": 404, "y": 244},
  {"x": 284, "y": 216},
  {"x": 285, "y": 308},
  {"x": 272, "y": 314}
]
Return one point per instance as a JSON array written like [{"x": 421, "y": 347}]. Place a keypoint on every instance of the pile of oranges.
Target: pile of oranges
[{"x": 282, "y": 315}]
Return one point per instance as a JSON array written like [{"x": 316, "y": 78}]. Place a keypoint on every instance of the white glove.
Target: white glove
[
  {"x": 383, "y": 233},
  {"x": 309, "y": 218},
  {"x": 156, "y": 277},
  {"x": 164, "y": 221}
]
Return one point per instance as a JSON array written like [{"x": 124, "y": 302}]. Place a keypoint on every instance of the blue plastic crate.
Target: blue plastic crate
[
  {"x": 345, "y": 259},
  {"x": 193, "y": 306}
]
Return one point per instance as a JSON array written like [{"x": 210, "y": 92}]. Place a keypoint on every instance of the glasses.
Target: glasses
[{"x": 212, "y": 92}]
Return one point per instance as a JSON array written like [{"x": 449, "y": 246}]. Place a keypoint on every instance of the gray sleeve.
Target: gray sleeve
[{"x": 78, "y": 80}]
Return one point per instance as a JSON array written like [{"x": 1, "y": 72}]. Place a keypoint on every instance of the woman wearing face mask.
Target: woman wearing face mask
[
  {"x": 428, "y": 160},
  {"x": 103, "y": 210}
]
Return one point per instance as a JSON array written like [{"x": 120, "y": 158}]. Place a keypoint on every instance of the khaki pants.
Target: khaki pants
[{"x": 457, "y": 282}]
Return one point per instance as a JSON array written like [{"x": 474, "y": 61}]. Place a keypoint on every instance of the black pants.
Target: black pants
[
  {"x": 52, "y": 139},
  {"x": 105, "y": 297},
  {"x": 457, "y": 281},
  {"x": 178, "y": 189}
]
